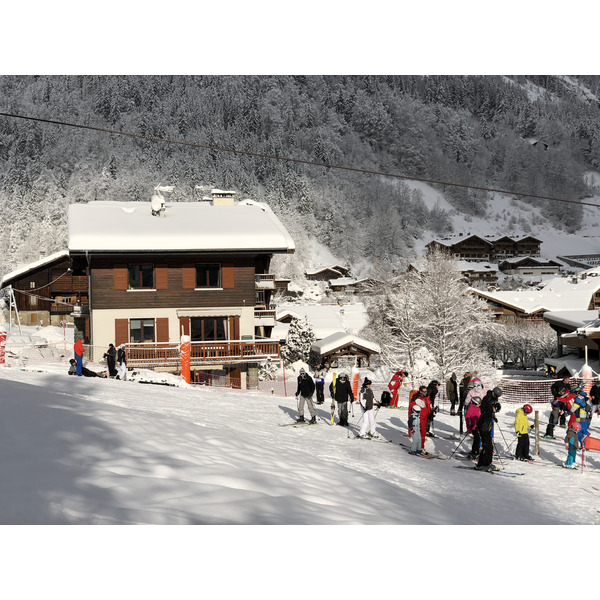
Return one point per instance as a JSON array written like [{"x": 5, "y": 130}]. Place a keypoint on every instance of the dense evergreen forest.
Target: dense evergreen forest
[{"x": 475, "y": 130}]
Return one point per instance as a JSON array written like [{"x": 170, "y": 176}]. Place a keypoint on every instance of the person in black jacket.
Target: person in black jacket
[
  {"x": 111, "y": 358},
  {"x": 366, "y": 400},
  {"x": 489, "y": 407},
  {"x": 306, "y": 389},
  {"x": 432, "y": 390},
  {"x": 341, "y": 393}
]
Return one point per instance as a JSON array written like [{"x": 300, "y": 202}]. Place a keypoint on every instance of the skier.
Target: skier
[
  {"x": 489, "y": 407},
  {"x": 320, "y": 384},
  {"x": 582, "y": 414},
  {"x": 595, "y": 397},
  {"x": 84, "y": 371},
  {"x": 422, "y": 400},
  {"x": 472, "y": 419},
  {"x": 572, "y": 444},
  {"x": 343, "y": 393},
  {"x": 522, "y": 427},
  {"x": 111, "y": 356},
  {"x": 306, "y": 389},
  {"x": 414, "y": 429},
  {"x": 463, "y": 390},
  {"x": 394, "y": 385},
  {"x": 78, "y": 352},
  {"x": 432, "y": 390},
  {"x": 367, "y": 429},
  {"x": 558, "y": 389},
  {"x": 122, "y": 362},
  {"x": 452, "y": 393}
]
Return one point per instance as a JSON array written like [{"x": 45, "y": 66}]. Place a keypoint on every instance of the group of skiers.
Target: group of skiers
[
  {"x": 478, "y": 406},
  {"x": 116, "y": 362}
]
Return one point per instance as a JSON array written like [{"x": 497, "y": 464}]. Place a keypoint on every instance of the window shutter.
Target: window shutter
[
  {"x": 121, "y": 331},
  {"x": 161, "y": 276},
  {"x": 184, "y": 326},
  {"x": 188, "y": 273},
  {"x": 234, "y": 328},
  {"x": 162, "y": 330},
  {"x": 227, "y": 276},
  {"x": 120, "y": 277}
]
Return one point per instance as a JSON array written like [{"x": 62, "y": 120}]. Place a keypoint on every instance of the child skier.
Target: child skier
[
  {"x": 414, "y": 429},
  {"x": 522, "y": 427},
  {"x": 572, "y": 445},
  {"x": 367, "y": 429},
  {"x": 472, "y": 417}
]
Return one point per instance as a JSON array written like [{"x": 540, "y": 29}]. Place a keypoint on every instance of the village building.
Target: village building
[
  {"x": 46, "y": 292},
  {"x": 199, "y": 269},
  {"x": 529, "y": 265},
  {"x": 327, "y": 273},
  {"x": 483, "y": 249}
]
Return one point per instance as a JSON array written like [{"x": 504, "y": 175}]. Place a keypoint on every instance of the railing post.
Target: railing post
[{"x": 186, "y": 348}]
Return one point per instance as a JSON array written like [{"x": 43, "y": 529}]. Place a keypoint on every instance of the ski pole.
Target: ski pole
[
  {"x": 499, "y": 457},
  {"x": 500, "y": 430},
  {"x": 460, "y": 444}
]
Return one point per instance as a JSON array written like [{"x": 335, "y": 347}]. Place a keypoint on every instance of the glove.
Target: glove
[
  {"x": 532, "y": 426},
  {"x": 495, "y": 420},
  {"x": 296, "y": 395},
  {"x": 566, "y": 446}
]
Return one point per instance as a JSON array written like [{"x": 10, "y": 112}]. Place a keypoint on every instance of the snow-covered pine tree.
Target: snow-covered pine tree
[
  {"x": 298, "y": 341},
  {"x": 454, "y": 321}
]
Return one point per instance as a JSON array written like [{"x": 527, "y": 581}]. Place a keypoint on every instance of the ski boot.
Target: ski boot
[
  {"x": 313, "y": 421},
  {"x": 300, "y": 420}
]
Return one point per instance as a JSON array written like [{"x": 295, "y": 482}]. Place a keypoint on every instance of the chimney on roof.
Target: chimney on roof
[{"x": 222, "y": 197}]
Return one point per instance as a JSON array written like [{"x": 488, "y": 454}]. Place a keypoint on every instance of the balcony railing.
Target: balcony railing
[
  {"x": 168, "y": 355},
  {"x": 264, "y": 281}
]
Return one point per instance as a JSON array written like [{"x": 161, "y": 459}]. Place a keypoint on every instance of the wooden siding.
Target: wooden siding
[
  {"x": 106, "y": 296},
  {"x": 121, "y": 331}
]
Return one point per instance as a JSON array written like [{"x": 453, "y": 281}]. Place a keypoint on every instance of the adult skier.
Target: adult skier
[
  {"x": 452, "y": 392},
  {"x": 367, "y": 428},
  {"x": 320, "y": 384},
  {"x": 489, "y": 407},
  {"x": 122, "y": 362},
  {"x": 305, "y": 390},
  {"x": 394, "y": 386},
  {"x": 432, "y": 390},
  {"x": 342, "y": 393},
  {"x": 111, "y": 358},
  {"x": 422, "y": 400}
]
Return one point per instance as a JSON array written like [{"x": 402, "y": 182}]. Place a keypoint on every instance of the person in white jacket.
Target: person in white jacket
[{"x": 367, "y": 429}]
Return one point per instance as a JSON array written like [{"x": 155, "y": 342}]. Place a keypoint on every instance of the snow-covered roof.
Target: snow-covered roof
[
  {"x": 339, "y": 340},
  {"x": 573, "y": 319},
  {"x": 337, "y": 268},
  {"x": 478, "y": 267},
  {"x": 32, "y": 266},
  {"x": 558, "y": 293},
  {"x": 325, "y": 319},
  {"x": 344, "y": 281},
  {"x": 198, "y": 226}
]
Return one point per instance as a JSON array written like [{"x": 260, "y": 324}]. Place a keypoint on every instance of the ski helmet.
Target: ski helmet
[
  {"x": 497, "y": 392},
  {"x": 527, "y": 409},
  {"x": 576, "y": 426},
  {"x": 302, "y": 371},
  {"x": 475, "y": 400},
  {"x": 342, "y": 375}
]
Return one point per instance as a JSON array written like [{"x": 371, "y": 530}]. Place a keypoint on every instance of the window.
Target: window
[
  {"x": 208, "y": 329},
  {"x": 141, "y": 330},
  {"x": 208, "y": 275},
  {"x": 141, "y": 277}
]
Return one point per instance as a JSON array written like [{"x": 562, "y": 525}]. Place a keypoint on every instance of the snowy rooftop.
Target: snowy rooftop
[
  {"x": 34, "y": 265},
  {"x": 340, "y": 339},
  {"x": 115, "y": 226},
  {"x": 467, "y": 265},
  {"x": 326, "y": 319},
  {"x": 558, "y": 293}
]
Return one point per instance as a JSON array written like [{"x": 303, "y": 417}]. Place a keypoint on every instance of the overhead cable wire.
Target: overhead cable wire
[{"x": 295, "y": 160}]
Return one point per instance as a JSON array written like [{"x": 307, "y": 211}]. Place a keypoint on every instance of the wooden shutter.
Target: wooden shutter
[
  {"x": 188, "y": 277},
  {"x": 161, "y": 277},
  {"x": 234, "y": 328},
  {"x": 227, "y": 276},
  {"x": 162, "y": 330},
  {"x": 121, "y": 331},
  {"x": 184, "y": 326},
  {"x": 120, "y": 278}
]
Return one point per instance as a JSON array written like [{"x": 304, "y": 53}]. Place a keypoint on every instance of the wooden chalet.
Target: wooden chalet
[
  {"x": 529, "y": 265},
  {"x": 47, "y": 292},
  {"x": 479, "y": 249},
  {"x": 341, "y": 344},
  {"x": 199, "y": 269},
  {"x": 327, "y": 273}
]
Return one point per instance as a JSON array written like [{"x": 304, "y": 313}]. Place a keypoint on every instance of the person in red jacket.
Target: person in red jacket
[
  {"x": 394, "y": 386},
  {"x": 78, "y": 351},
  {"x": 422, "y": 400}
]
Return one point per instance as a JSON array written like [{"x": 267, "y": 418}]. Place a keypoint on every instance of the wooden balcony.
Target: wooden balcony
[
  {"x": 202, "y": 353},
  {"x": 264, "y": 281}
]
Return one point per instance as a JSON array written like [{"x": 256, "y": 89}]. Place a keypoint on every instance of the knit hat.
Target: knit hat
[{"x": 367, "y": 381}]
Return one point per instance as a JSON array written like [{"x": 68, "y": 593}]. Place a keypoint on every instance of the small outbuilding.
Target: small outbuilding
[{"x": 341, "y": 344}]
